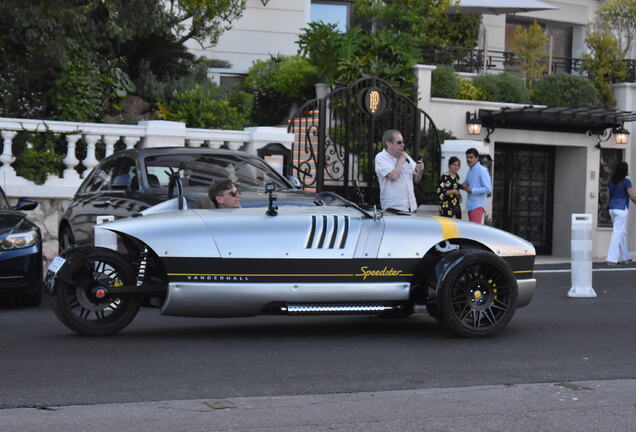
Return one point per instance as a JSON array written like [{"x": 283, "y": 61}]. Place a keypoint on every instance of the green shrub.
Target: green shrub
[
  {"x": 277, "y": 85},
  {"x": 603, "y": 63},
  {"x": 444, "y": 82},
  {"x": 567, "y": 91},
  {"x": 80, "y": 92},
  {"x": 468, "y": 91},
  {"x": 38, "y": 155},
  {"x": 205, "y": 107},
  {"x": 502, "y": 88}
]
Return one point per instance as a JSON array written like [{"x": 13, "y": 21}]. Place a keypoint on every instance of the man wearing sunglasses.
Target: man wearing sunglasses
[
  {"x": 225, "y": 194},
  {"x": 397, "y": 173}
]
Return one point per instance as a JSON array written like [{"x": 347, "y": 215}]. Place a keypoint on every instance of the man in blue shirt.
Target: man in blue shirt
[{"x": 478, "y": 186}]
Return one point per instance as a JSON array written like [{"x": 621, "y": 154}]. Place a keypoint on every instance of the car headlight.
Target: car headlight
[{"x": 19, "y": 240}]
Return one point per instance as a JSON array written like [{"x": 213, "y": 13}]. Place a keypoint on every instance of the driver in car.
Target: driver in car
[{"x": 225, "y": 194}]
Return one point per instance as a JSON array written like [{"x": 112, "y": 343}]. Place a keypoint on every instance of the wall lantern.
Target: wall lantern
[
  {"x": 621, "y": 135},
  {"x": 473, "y": 123}
]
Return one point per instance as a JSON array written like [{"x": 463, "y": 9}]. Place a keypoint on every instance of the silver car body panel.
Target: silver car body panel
[
  {"x": 241, "y": 299},
  {"x": 304, "y": 234}
]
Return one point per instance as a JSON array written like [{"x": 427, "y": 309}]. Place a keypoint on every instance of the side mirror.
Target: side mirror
[
  {"x": 270, "y": 187},
  {"x": 25, "y": 204},
  {"x": 294, "y": 181},
  {"x": 122, "y": 181}
]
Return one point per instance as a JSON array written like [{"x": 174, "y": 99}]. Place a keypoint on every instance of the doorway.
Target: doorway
[{"x": 523, "y": 193}]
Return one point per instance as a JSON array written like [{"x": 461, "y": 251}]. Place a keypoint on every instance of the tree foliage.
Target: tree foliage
[
  {"x": 68, "y": 51},
  {"x": 603, "y": 63},
  {"x": 387, "y": 40},
  {"x": 620, "y": 17},
  {"x": 566, "y": 90},
  {"x": 530, "y": 45}
]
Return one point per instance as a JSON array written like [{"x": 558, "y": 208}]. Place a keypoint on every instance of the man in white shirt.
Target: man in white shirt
[{"x": 397, "y": 173}]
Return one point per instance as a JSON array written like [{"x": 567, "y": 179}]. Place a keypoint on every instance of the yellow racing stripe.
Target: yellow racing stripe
[{"x": 449, "y": 227}]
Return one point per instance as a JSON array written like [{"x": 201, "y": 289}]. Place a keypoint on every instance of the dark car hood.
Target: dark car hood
[{"x": 10, "y": 220}]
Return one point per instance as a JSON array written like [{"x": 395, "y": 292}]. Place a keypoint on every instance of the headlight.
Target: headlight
[{"x": 19, "y": 240}]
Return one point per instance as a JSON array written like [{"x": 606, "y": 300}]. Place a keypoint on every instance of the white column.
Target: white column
[
  {"x": 423, "y": 74},
  {"x": 215, "y": 144},
  {"x": 7, "y": 153},
  {"x": 110, "y": 141},
  {"x": 194, "y": 143},
  {"x": 91, "y": 161},
  {"x": 235, "y": 145},
  {"x": 130, "y": 142},
  {"x": 70, "y": 160}
]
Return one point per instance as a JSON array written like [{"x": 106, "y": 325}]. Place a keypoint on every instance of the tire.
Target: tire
[
  {"x": 478, "y": 293},
  {"x": 65, "y": 239},
  {"x": 76, "y": 306}
]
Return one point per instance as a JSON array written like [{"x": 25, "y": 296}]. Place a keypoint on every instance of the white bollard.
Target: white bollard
[
  {"x": 103, "y": 237},
  {"x": 581, "y": 270}
]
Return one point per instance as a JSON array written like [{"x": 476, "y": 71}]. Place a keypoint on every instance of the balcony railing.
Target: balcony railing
[
  {"x": 480, "y": 61},
  {"x": 98, "y": 140}
]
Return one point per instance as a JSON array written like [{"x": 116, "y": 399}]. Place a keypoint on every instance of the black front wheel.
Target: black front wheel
[
  {"x": 478, "y": 293},
  {"x": 81, "y": 300}
]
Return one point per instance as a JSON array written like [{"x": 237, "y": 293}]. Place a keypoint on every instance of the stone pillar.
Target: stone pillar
[
  {"x": 70, "y": 160},
  {"x": 7, "y": 157},
  {"x": 161, "y": 133},
  {"x": 110, "y": 142},
  {"x": 91, "y": 161},
  {"x": 130, "y": 142},
  {"x": 423, "y": 74}
]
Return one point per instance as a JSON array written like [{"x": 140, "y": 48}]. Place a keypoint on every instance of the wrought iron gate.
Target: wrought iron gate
[{"x": 338, "y": 136}]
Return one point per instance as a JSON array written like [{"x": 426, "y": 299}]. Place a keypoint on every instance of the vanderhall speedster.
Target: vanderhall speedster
[{"x": 331, "y": 258}]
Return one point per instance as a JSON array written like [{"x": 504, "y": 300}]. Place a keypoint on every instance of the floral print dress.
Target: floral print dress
[{"x": 449, "y": 204}]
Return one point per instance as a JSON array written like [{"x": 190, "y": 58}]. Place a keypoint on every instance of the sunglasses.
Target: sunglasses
[
  {"x": 399, "y": 142},
  {"x": 234, "y": 194}
]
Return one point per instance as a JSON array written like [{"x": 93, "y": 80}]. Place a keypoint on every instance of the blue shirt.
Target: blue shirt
[
  {"x": 478, "y": 179},
  {"x": 618, "y": 193}
]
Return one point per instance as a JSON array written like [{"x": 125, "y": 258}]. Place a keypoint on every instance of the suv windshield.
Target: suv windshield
[{"x": 198, "y": 171}]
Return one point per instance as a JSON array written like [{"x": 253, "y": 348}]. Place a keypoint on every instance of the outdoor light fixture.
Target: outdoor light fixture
[
  {"x": 264, "y": 2},
  {"x": 621, "y": 135},
  {"x": 473, "y": 123}
]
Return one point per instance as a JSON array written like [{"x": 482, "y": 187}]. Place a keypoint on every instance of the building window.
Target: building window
[
  {"x": 559, "y": 33},
  {"x": 609, "y": 159},
  {"x": 331, "y": 12}
]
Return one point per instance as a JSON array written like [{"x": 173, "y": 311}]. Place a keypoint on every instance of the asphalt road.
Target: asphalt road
[{"x": 555, "y": 339}]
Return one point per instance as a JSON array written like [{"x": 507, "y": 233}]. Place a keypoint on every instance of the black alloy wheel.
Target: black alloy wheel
[
  {"x": 478, "y": 295},
  {"x": 82, "y": 301}
]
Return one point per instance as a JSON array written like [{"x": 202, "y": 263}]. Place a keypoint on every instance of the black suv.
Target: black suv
[{"x": 130, "y": 181}]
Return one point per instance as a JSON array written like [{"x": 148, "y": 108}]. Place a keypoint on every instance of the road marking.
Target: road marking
[{"x": 594, "y": 270}]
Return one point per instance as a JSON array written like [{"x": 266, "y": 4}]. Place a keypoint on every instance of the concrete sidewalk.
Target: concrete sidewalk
[
  {"x": 550, "y": 259},
  {"x": 581, "y": 406}
]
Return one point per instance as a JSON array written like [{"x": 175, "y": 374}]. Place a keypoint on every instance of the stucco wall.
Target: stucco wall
[
  {"x": 568, "y": 198},
  {"x": 261, "y": 31}
]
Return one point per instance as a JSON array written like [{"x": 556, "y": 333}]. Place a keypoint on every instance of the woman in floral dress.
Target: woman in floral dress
[{"x": 448, "y": 191}]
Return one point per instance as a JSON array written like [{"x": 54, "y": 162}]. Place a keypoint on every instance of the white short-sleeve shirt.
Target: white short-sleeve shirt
[{"x": 398, "y": 194}]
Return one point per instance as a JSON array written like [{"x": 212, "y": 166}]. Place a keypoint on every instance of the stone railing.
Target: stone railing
[{"x": 153, "y": 133}]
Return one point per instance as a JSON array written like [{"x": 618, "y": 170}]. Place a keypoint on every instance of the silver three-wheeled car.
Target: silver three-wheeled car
[{"x": 332, "y": 258}]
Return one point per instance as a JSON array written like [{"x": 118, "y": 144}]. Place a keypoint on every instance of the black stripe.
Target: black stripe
[
  {"x": 334, "y": 233},
  {"x": 345, "y": 232},
  {"x": 324, "y": 232},
  {"x": 312, "y": 232}
]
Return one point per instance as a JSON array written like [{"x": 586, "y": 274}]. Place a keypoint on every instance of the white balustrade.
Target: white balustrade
[
  {"x": 7, "y": 152},
  {"x": 150, "y": 133},
  {"x": 71, "y": 160},
  {"x": 91, "y": 160},
  {"x": 110, "y": 142}
]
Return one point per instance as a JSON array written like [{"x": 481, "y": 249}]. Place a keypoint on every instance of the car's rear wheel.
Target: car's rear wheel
[
  {"x": 81, "y": 300},
  {"x": 478, "y": 293}
]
